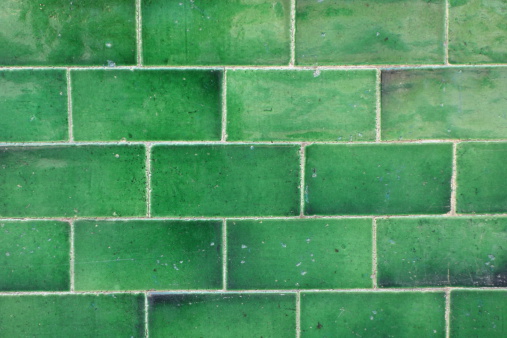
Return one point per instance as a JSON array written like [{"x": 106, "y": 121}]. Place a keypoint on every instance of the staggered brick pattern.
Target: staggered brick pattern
[{"x": 253, "y": 168}]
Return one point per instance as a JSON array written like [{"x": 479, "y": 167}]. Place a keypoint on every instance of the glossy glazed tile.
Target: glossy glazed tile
[
  {"x": 119, "y": 315},
  {"x": 34, "y": 256},
  {"x": 222, "y": 315},
  {"x": 308, "y": 105},
  {"x": 225, "y": 180},
  {"x": 67, "y": 181},
  {"x": 420, "y": 252},
  {"x": 234, "y": 32},
  {"x": 477, "y": 31},
  {"x": 148, "y": 255},
  {"x": 378, "y": 179},
  {"x": 299, "y": 254},
  {"x": 478, "y": 313},
  {"x": 406, "y": 314},
  {"x": 457, "y": 103},
  {"x": 59, "y": 32},
  {"x": 33, "y": 105},
  {"x": 482, "y": 177},
  {"x": 147, "y": 105},
  {"x": 370, "y": 32}
]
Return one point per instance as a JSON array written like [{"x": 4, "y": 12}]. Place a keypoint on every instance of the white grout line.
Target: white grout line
[
  {"x": 224, "y": 106},
  {"x": 302, "y": 181},
  {"x": 378, "y": 107},
  {"x": 139, "y": 36},
  {"x": 69, "y": 107},
  {"x": 72, "y": 257},
  {"x": 298, "y": 314},
  {"x": 446, "y": 32},
  {"x": 292, "y": 60},
  {"x": 224, "y": 254},
  {"x": 374, "y": 254},
  {"x": 148, "y": 180},
  {"x": 146, "y": 308},
  {"x": 454, "y": 186},
  {"x": 447, "y": 313}
]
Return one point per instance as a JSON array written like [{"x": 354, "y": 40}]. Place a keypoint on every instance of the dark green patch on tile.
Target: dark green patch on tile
[
  {"x": 34, "y": 256},
  {"x": 460, "y": 103},
  {"x": 318, "y": 105},
  {"x": 62, "y": 32},
  {"x": 234, "y": 32},
  {"x": 148, "y": 255},
  {"x": 478, "y": 313},
  {"x": 482, "y": 177},
  {"x": 147, "y": 105},
  {"x": 120, "y": 315},
  {"x": 378, "y": 179},
  {"x": 222, "y": 315},
  {"x": 406, "y": 314},
  {"x": 477, "y": 31},
  {"x": 228, "y": 180},
  {"x": 33, "y": 105},
  {"x": 69, "y": 181},
  {"x": 299, "y": 254},
  {"x": 370, "y": 32},
  {"x": 418, "y": 252}
]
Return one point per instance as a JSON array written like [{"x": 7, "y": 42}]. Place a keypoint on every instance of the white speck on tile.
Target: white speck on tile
[
  {"x": 242, "y": 262},
  {"x": 212, "y": 244},
  {"x": 283, "y": 245},
  {"x": 7, "y": 254},
  {"x": 298, "y": 264},
  {"x": 243, "y": 246},
  {"x": 316, "y": 73},
  {"x": 303, "y": 273}
]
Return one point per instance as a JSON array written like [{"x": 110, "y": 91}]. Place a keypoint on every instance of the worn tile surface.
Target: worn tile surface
[
  {"x": 222, "y": 315},
  {"x": 235, "y": 32},
  {"x": 301, "y": 105},
  {"x": 148, "y": 255},
  {"x": 147, "y": 105},
  {"x": 457, "y": 103},
  {"x": 299, "y": 254}
]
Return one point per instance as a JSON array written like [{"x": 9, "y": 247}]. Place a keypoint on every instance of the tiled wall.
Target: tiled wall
[{"x": 251, "y": 168}]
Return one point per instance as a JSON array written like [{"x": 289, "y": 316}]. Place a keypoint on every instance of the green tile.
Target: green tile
[
  {"x": 369, "y": 32},
  {"x": 481, "y": 177},
  {"x": 234, "y": 32},
  {"x": 148, "y": 255},
  {"x": 222, "y": 315},
  {"x": 33, "y": 105},
  {"x": 34, "y": 256},
  {"x": 415, "y": 252},
  {"x": 53, "y": 181},
  {"x": 299, "y": 254},
  {"x": 369, "y": 179},
  {"x": 325, "y": 105},
  {"x": 120, "y": 315},
  {"x": 459, "y": 103},
  {"x": 147, "y": 105},
  {"x": 406, "y": 314},
  {"x": 478, "y": 313},
  {"x": 477, "y": 31},
  {"x": 59, "y": 32},
  {"x": 225, "y": 180}
]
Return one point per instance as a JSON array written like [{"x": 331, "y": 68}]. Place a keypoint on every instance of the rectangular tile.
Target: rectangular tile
[
  {"x": 370, "y": 32},
  {"x": 147, "y": 105},
  {"x": 33, "y": 105},
  {"x": 34, "y": 256},
  {"x": 477, "y": 31},
  {"x": 419, "y": 252},
  {"x": 148, "y": 255},
  {"x": 459, "y": 103},
  {"x": 406, "y": 314},
  {"x": 481, "y": 177},
  {"x": 369, "y": 179},
  {"x": 69, "y": 181},
  {"x": 222, "y": 315},
  {"x": 120, "y": 315},
  {"x": 232, "y": 32},
  {"x": 308, "y": 105},
  {"x": 478, "y": 313},
  {"x": 299, "y": 254},
  {"x": 225, "y": 180},
  {"x": 59, "y": 32}
]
